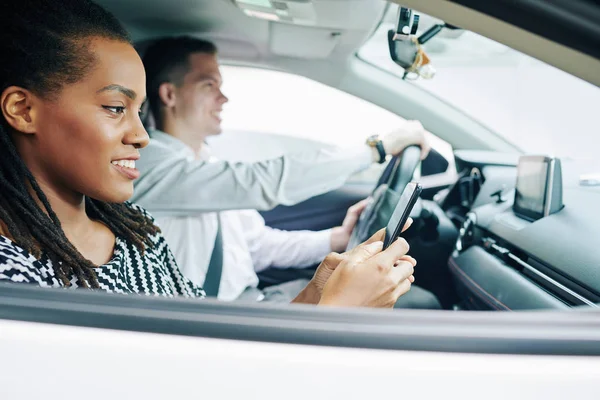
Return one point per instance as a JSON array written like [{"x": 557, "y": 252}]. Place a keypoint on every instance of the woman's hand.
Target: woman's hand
[
  {"x": 331, "y": 262},
  {"x": 370, "y": 277},
  {"x": 314, "y": 290}
]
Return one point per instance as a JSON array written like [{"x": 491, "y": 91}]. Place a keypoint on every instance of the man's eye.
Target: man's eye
[{"x": 115, "y": 109}]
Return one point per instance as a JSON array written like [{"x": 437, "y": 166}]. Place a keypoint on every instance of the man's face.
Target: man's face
[{"x": 199, "y": 100}]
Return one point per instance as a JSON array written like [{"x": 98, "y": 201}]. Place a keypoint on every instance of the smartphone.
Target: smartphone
[{"x": 407, "y": 201}]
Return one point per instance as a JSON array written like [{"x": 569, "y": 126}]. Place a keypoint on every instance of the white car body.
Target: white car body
[
  {"x": 107, "y": 364},
  {"x": 60, "y": 346}
]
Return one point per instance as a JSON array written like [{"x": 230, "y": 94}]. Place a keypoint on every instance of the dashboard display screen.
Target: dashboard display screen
[{"x": 532, "y": 183}]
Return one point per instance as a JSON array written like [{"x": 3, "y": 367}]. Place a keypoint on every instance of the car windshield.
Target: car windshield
[{"x": 533, "y": 105}]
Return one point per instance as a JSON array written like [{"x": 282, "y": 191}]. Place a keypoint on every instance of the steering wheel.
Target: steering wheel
[{"x": 386, "y": 194}]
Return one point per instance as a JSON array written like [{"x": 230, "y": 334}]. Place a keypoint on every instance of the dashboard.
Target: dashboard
[{"x": 505, "y": 261}]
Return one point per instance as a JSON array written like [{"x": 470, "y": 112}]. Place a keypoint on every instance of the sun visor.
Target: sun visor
[{"x": 302, "y": 42}]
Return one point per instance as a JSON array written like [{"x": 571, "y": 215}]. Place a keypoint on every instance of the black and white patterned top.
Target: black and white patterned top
[{"x": 155, "y": 273}]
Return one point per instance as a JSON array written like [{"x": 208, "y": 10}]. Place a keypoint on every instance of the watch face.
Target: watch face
[{"x": 372, "y": 140}]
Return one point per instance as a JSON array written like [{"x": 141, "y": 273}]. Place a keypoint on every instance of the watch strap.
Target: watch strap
[{"x": 380, "y": 150}]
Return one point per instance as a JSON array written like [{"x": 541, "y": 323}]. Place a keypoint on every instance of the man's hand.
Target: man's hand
[
  {"x": 340, "y": 236},
  {"x": 412, "y": 132},
  {"x": 333, "y": 260},
  {"x": 370, "y": 277}
]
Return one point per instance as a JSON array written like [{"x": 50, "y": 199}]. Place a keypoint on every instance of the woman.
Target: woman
[{"x": 71, "y": 87}]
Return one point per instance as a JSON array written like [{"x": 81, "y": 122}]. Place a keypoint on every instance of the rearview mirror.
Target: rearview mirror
[
  {"x": 410, "y": 56},
  {"x": 405, "y": 47},
  {"x": 402, "y": 52}
]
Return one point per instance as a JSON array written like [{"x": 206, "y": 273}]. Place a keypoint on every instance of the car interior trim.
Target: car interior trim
[
  {"x": 527, "y": 332},
  {"x": 550, "y": 280}
]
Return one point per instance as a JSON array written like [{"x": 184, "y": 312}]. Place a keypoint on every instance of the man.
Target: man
[{"x": 184, "y": 186}]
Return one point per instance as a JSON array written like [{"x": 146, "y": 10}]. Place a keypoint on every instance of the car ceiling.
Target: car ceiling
[
  {"x": 322, "y": 51},
  {"x": 341, "y": 27}
]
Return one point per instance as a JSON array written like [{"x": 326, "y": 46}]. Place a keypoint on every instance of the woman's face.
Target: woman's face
[{"x": 86, "y": 139}]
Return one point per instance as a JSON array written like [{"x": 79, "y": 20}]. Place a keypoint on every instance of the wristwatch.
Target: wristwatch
[{"x": 375, "y": 142}]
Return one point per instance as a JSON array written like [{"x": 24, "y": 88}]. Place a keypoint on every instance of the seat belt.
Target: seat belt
[{"x": 215, "y": 267}]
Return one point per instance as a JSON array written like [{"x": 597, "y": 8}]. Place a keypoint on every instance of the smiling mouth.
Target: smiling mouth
[
  {"x": 216, "y": 115},
  {"x": 125, "y": 163},
  {"x": 127, "y": 168}
]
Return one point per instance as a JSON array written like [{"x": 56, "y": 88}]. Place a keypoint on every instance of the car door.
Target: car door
[{"x": 60, "y": 343}]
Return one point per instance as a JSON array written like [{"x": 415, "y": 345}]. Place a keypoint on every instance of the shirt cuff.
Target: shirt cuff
[
  {"x": 322, "y": 244},
  {"x": 364, "y": 155}
]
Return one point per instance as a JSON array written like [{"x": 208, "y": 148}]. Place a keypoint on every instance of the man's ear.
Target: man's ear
[
  {"x": 17, "y": 109},
  {"x": 166, "y": 93}
]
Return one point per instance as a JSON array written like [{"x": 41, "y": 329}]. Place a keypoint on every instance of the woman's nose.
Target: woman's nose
[{"x": 137, "y": 136}]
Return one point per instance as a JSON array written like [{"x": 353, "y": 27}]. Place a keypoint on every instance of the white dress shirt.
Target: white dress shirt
[{"x": 168, "y": 190}]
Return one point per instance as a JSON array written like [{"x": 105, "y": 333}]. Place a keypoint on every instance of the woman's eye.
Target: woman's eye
[{"x": 115, "y": 109}]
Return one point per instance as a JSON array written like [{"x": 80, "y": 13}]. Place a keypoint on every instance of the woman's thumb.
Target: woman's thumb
[
  {"x": 365, "y": 251},
  {"x": 377, "y": 236}
]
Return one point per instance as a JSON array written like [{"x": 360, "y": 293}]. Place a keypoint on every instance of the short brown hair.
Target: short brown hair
[{"x": 167, "y": 60}]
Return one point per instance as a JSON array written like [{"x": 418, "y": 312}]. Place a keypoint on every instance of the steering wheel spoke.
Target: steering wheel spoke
[{"x": 386, "y": 194}]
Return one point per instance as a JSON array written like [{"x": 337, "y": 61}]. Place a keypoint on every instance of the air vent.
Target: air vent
[{"x": 469, "y": 186}]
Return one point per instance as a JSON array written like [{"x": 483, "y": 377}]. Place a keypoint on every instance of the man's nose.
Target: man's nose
[{"x": 223, "y": 99}]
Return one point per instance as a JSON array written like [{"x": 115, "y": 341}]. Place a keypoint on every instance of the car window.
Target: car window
[
  {"x": 539, "y": 108},
  {"x": 275, "y": 102},
  {"x": 294, "y": 112}
]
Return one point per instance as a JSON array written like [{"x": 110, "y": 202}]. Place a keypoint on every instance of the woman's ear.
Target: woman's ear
[
  {"x": 17, "y": 110},
  {"x": 166, "y": 93}
]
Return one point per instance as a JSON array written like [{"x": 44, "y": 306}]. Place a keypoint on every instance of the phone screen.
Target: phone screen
[{"x": 401, "y": 212}]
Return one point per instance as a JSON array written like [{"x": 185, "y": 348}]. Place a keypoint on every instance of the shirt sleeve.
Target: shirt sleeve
[
  {"x": 16, "y": 266},
  {"x": 283, "y": 249},
  {"x": 173, "y": 185},
  {"x": 15, "y": 271}
]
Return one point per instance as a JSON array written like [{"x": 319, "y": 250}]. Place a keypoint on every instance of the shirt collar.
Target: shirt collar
[
  {"x": 172, "y": 142},
  {"x": 206, "y": 154}
]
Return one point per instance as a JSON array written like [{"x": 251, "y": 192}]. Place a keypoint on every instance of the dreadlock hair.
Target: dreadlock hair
[
  {"x": 167, "y": 60},
  {"x": 45, "y": 45}
]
